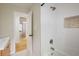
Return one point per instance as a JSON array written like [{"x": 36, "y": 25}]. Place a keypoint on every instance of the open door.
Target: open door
[{"x": 30, "y": 32}]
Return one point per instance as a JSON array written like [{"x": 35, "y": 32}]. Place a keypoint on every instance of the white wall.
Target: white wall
[
  {"x": 36, "y": 30},
  {"x": 66, "y": 40}
]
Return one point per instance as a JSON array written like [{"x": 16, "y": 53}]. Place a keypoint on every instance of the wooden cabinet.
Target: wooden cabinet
[
  {"x": 6, "y": 51},
  {"x": 0, "y": 52}
]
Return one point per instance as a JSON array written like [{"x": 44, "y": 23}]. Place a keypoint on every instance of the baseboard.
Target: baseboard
[{"x": 61, "y": 52}]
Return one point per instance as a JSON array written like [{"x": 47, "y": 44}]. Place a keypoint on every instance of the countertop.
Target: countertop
[{"x": 3, "y": 42}]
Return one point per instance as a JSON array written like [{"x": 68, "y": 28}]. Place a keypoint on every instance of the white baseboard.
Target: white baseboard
[{"x": 62, "y": 53}]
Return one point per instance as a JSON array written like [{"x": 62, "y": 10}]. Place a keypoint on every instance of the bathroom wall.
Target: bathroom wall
[
  {"x": 66, "y": 40},
  {"x": 36, "y": 30}
]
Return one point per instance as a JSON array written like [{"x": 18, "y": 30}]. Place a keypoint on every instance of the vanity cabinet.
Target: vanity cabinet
[
  {"x": 5, "y": 51},
  {"x": 0, "y": 52},
  {"x": 5, "y": 46}
]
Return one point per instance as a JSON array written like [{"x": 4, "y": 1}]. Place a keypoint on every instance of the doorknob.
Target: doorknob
[{"x": 30, "y": 35}]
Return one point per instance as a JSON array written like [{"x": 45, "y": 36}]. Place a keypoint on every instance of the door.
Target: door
[{"x": 30, "y": 32}]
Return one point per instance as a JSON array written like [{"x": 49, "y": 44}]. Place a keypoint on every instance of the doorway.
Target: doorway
[{"x": 22, "y": 32}]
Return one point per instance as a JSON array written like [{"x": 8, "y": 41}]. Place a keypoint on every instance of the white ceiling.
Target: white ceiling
[{"x": 18, "y": 5}]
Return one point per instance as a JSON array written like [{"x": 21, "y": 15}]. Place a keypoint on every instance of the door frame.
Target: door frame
[{"x": 15, "y": 34}]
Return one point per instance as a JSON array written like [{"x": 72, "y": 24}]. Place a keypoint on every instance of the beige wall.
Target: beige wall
[
  {"x": 6, "y": 18},
  {"x": 36, "y": 30}
]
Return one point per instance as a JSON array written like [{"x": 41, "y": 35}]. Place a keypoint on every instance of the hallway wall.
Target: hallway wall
[{"x": 36, "y": 30}]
